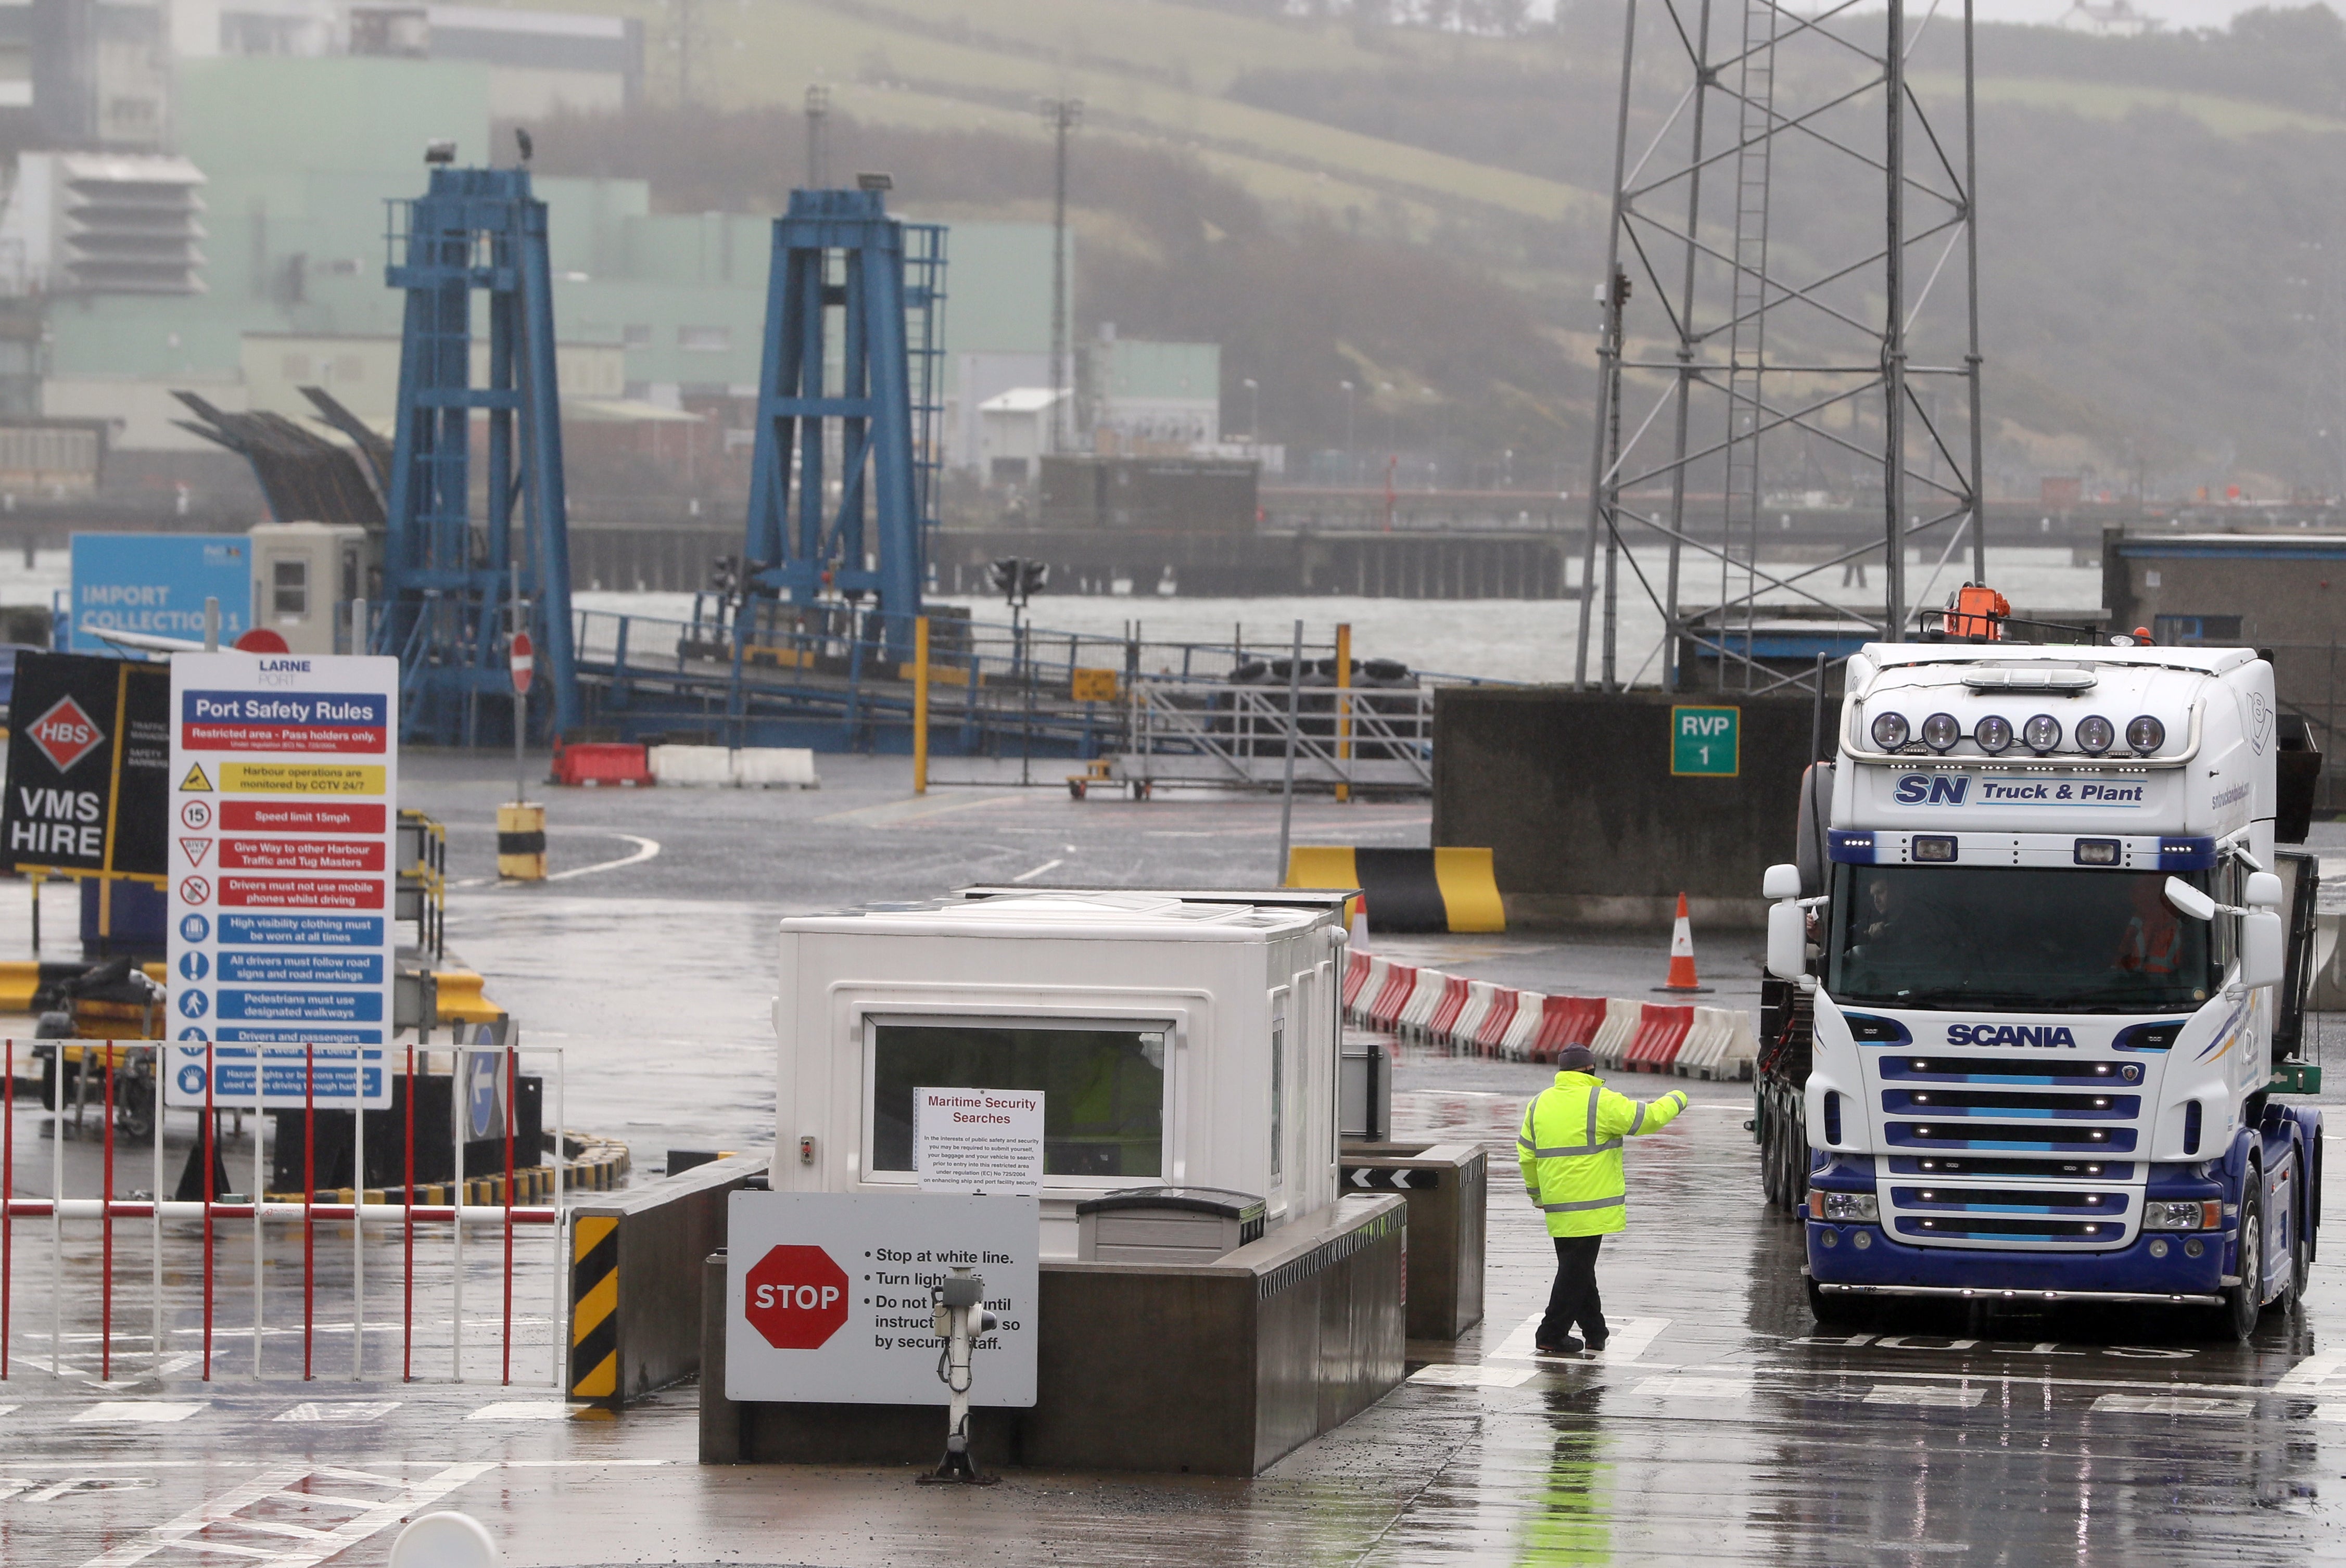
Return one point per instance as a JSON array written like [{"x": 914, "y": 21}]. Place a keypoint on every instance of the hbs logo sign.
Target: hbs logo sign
[{"x": 1915, "y": 789}]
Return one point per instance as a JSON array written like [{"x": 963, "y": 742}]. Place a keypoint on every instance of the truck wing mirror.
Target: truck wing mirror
[
  {"x": 2186, "y": 900},
  {"x": 1787, "y": 936},
  {"x": 1781, "y": 882},
  {"x": 2261, "y": 955},
  {"x": 2263, "y": 890}
]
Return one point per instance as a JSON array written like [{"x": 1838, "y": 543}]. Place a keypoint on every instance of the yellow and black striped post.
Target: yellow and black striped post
[
  {"x": 595, "y": 1308},
  {"x": 521, "y": 842}
]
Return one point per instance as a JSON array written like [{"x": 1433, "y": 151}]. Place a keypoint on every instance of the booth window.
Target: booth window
[
  {"x": 1277, "y": 1095},
  {"x": 289, "y": 588},
  {"x": 1103, "y": 1085}
]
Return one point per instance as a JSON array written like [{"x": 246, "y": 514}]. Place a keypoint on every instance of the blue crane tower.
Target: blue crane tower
[
  {"x": 863, "y": 400},
  {"x": 450, "y": 582}
]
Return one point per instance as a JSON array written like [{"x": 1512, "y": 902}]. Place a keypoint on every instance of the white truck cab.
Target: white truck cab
[{"x": 2039, "y": 953}]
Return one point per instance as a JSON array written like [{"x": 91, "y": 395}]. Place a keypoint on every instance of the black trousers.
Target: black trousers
[{"x": 1573, "y": 1299}]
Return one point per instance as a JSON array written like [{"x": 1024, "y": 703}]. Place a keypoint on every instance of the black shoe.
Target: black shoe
[
  {"x": 1595, "y": 1346},
  {"x": 1571, "y": 1347}
]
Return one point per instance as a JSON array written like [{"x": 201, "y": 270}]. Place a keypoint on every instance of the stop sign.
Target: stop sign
[
  {"x": 524, "y": 660},
  {"x": 795, "y": 1296}
]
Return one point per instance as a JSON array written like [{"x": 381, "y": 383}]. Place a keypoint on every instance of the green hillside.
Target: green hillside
[{"x": 2164, "y": 289}]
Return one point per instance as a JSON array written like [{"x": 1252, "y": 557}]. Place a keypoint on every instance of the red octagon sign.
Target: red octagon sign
[{"x": 796, "y": 1297}]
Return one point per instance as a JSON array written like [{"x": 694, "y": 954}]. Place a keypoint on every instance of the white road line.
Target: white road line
[
  {"x": 1045, "y": 866},
  {"x": 5, "y": 1409},
  {"x": 1923, "y": 1394},
  {"x": 1695, "y": 1389},
  {"x": 2172, "y": 1405},
  {"x": 1520, "y": 1345},
  {"x": 346, "y": 1411},
  {"x": 2321, "y": 1373},
  {"x": 139, "y": 1411},
  {"x": 525, "y": 1410},
  {"x": 645, "y": 850},
  {"x": 1631, "y": 1338},
  {"x": 1464, "y": 1376},
  {"x": 275, "y": 1540}
]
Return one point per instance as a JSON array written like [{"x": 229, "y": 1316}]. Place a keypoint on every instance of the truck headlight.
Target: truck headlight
[
  {"x": 1850, "y": 1208},
  {"x": 2194, "y": 1214}
]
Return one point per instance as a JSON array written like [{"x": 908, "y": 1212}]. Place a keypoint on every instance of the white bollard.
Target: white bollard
[{"x": 445, "y": 1541}]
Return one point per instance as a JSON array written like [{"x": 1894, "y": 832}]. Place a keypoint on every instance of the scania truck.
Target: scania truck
[{"x": 2036, "y": 984}]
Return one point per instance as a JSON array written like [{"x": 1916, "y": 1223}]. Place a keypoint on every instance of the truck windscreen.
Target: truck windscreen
[{"x": 2013, "y": 939}]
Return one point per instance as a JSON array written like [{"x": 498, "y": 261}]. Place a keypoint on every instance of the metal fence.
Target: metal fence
[{"x": 138, "y": 1283}]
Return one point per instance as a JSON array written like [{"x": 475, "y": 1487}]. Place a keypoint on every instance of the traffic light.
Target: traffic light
[{"x": 1017, "y": 580}]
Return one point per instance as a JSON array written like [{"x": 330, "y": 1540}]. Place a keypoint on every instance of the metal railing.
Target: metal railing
[
  {"x": 834, "y": 675},
  {"x": 174, "y": 1227}
]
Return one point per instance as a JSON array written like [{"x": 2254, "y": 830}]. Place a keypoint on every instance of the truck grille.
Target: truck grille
[
  {"x": 2059, "y": 1217},
  {"x": 2011, "y": 1151}
]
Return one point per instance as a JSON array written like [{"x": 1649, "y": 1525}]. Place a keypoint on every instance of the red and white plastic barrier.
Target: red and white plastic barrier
[{"x": 1480, "y": 1016}]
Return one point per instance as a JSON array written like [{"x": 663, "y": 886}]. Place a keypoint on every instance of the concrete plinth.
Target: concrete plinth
[{"x": 1216, "y": 1368}]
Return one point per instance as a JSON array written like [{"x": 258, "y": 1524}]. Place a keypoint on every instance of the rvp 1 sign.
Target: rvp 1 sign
[
  {"x": 1705, "y": 742},
  {"x": 827, "y": 1295}
]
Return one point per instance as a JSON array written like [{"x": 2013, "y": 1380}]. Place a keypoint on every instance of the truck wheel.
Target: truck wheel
[
  {"x": 1770, "y": 1185},
  {"x": 2243, "y": 1303}
]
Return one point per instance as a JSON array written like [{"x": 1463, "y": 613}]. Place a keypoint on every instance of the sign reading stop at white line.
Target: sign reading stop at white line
[{"x": 827, "y": 1295}]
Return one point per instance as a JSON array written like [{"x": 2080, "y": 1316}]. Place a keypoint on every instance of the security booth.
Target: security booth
[
  {"x": 1178, "y": 1040},
  {"x": 1205, "y": 1296}
]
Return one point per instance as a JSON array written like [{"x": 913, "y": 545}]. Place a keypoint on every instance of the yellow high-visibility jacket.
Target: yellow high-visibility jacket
[{"x": 1570, "y": 1147}]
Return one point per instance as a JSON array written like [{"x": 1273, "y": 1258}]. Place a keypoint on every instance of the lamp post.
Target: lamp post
[
  {"x": 1061, "y": 114},
  {"x": 1352, "y": 461}
]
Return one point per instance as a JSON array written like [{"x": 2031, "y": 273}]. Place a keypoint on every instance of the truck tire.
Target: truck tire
[
  {"x": 2243, "y": 1303},
  {"x": 1771, "y": 1186}
]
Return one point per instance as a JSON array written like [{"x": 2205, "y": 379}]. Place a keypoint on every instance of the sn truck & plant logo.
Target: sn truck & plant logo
[{"x": 65, "y": 734}]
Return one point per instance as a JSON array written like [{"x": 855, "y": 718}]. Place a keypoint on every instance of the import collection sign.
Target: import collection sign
[
  {"x": 827, "y": 1295},
  {"x": 282, "y": 941},
  {"x": 156, "y": 583}
]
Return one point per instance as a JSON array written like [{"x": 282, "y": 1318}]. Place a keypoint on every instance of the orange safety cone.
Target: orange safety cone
[
  {"x": 1682, "y": 976},
  {"x": 1360, "y": 930}
]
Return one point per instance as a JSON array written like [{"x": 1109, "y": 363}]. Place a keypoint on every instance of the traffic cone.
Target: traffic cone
[
  {"x": 1360, "y": 932},
  {"x": 1682, "y": 976}
]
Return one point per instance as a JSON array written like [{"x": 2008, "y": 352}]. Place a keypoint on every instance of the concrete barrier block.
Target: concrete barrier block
[
  {"x": 635, "y": 1280},
  {"x": 1447, "y": 1186},
  {"x": 746, "y": 766},
  {"x": 1214, "y": 1369}
]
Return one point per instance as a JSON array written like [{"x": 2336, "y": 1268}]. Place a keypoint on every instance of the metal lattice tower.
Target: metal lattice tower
[
  {"x": 450, "y": 583},
  {"x": 858, "y": 389},
  {"x": 1783, "y": 326}
]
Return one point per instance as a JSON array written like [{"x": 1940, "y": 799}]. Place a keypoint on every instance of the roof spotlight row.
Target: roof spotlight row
[{"x": 2042, "y": 734}]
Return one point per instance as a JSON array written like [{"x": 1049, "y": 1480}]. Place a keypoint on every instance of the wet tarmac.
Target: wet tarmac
[{"x": 1721, "y": 1425}]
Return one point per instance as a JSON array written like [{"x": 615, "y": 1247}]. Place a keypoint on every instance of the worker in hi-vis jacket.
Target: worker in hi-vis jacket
[{"x": 1570, "y": 1146}]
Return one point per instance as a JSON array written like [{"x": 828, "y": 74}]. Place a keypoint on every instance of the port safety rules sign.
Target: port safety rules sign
[{"x": 283, "y": 815}]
